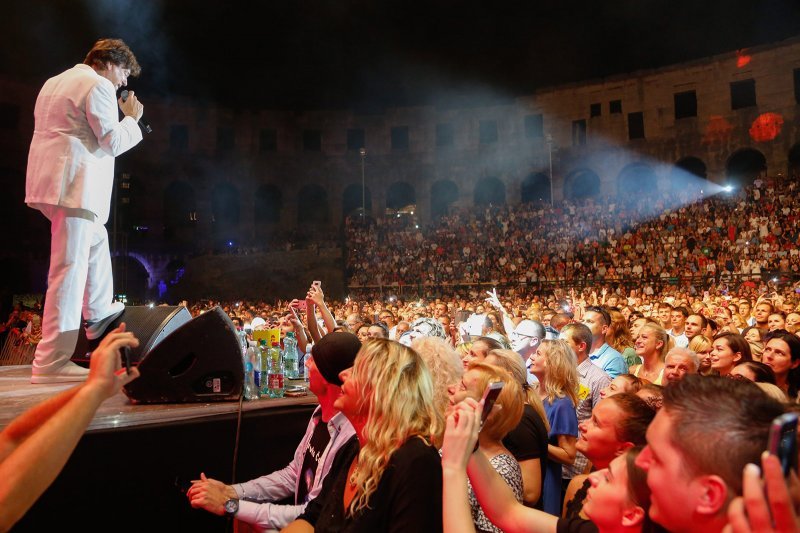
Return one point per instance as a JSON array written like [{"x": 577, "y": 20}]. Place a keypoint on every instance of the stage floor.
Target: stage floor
[{"x": 18, "y": 394}]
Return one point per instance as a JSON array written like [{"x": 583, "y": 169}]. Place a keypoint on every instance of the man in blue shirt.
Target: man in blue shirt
[{"x": 597, "y": 320}]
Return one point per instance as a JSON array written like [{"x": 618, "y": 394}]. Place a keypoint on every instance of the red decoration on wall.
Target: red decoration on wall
[
  {"x": 718, "y": 130},
  {"x": 766, "y": 127},
  {"x": 742, "y": 58}
]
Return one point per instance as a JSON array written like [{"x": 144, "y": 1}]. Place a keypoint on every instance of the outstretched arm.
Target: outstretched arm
[
  {"x": 316, "y": 295},
  {"x": 494, "y": 495},
  {"x": 37, "y": 444},
  {"x": 494, "y": 301}
]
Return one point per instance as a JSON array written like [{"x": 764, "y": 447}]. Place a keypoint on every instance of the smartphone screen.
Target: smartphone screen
[
  {"x": 490, "y": 394},
  {"x": 783, "y": 441}
]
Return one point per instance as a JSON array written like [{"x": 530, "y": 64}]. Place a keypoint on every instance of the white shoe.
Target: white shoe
[
  {"x": 96, "y": 328},
  {"x": 65, "y": 373}
]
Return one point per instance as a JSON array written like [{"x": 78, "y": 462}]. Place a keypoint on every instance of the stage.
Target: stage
[{"x": 126, "y": 471}]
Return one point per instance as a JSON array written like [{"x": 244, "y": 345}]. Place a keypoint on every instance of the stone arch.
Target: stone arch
[
  {"x": 581, "y": 183},
  {"x": 352, "y": 200},
  {"x": 744, "y": 166},
  {"x": 444, "y": 193},
  {"x": 180, "y": 213},
  {"x": 637, "y": 178},
  {"x": 312, "y": 205},
  {"x": 400, "y": 194},
  {"x": 689, "y": 174},
  {"x": 489, "y": 190},
  {"x": 794, "y": 162},
  {"x": 267, "y": 205},
  {"x": 225, "y": 211},
  {"x": 536, "y": 188}
]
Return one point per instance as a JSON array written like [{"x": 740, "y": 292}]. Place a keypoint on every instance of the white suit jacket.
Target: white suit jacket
[{"x": 77, "y": 134}]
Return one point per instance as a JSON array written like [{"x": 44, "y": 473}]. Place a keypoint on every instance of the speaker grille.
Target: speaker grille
[{"x": 149, "y": 324}]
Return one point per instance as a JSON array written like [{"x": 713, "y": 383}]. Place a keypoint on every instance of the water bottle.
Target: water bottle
[
  {"x": 290, "y": 357},
  {"x": 275, "y": 385},
  {"x": 263, "y": 363},
  {"x": 252, "y": 374}
]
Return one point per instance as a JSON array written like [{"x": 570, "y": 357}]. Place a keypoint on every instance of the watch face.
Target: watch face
[{"x": 231, "y": 506}]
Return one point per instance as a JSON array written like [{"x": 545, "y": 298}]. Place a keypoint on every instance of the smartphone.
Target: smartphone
[
  {"x": 127, "y": 355},
  {"x": 783, "y": 441},
  {"x": 301, "y": 304},
  {"x": 316, "y": 283},
  {"x": 490, "y": 394}
]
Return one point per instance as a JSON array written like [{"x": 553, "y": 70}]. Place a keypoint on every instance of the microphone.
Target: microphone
[{"x": 142, "y": 122}]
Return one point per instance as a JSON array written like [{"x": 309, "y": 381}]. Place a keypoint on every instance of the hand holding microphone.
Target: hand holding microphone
[{"x": 131, "y": 107}]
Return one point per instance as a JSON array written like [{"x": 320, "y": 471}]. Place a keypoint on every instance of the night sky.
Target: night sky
[{"x": 309, "y": 54}]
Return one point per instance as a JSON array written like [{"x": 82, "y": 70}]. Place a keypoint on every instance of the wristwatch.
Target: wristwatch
[{"x": 231, "y": 507}]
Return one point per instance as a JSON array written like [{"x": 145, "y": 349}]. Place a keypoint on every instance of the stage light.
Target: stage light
[{"x": 727, "y": 188}]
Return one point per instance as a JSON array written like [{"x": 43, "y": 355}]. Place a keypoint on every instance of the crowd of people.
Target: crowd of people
[
  {"x": 584, "y": 439},
  {"x": 732, "y": 235}
]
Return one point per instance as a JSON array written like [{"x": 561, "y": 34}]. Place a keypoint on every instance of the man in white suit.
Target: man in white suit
[{"x": 77, "y": 134}]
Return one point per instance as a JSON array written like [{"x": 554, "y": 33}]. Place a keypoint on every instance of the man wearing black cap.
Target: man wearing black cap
[{"x": 328, "y": 430}]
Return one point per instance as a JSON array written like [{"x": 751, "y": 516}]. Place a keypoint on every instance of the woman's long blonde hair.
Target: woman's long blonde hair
[
  {"x": 511, "y": 400},
  {"x": 511, "y": 362},
  {"x": 561, "y": 379},
  {"x": 396, "y": 392}
]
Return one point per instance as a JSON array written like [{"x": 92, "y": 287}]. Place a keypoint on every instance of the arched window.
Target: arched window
[
  {"x": 352, "y": 200},
  {"x": 490, "y": 190},
  {"x": 312, "y": 205},
  {"x": 744, "y": 166},
  {"x": 399, "y": 195},
  {"x": 536, "y": 188},
  {"x": 443, "y": 194},
  {"x": 581, "y": 183}
]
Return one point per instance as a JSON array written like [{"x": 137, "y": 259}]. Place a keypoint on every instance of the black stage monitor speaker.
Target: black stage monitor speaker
[
  {"x": 201, "y": 361},
  {"x": 150, "y": 325}
]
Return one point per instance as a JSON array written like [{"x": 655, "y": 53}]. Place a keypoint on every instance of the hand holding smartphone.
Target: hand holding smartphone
[
  {"x": 783, "y": 441},
  {"x": 490, "y": 394}
]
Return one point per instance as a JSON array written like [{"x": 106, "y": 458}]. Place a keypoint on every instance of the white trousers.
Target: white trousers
[{"x": 79, "y": 283}]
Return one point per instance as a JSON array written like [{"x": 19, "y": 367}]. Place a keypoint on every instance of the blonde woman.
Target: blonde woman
[
  {"x": 555, "y": 365},
  {"x": 496, "y": 427},
  {"x": 528, "y": 441},
  {"x": 652, "y": 346},
  {"x": 389, "y": 476},
  {"x": 701, "y": 345}
]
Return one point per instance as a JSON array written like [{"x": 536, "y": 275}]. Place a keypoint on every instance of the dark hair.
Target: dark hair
[
  {"x": 493, "y": 344},
  {"x": 737, "y": 344},
  {"x": 580, "y": 333},
  {"x": 113, "y": 51},
  {"x": 383, "y": 326},
  {"x": 734, "y": 436},
  {"x": 682, "y": 310},
  {"x": 761, "y": 332},
  {"x": 638, "y": 415},
  {"x": 602, "y": 311},
  {"x": 639, "y": 491},
  {"x": 763, "y": 373},
  {"x": 703, "y": 320},
  {"x": 793, "y": 380}
]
